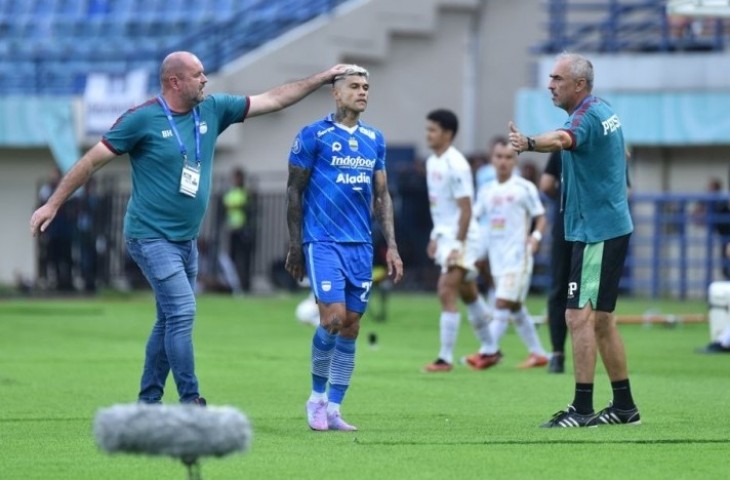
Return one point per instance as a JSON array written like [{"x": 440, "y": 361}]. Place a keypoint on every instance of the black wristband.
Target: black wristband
[{"x": 530, "y": 144}]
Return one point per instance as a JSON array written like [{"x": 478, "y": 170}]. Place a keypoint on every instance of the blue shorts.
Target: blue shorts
[{"x": 340, "y": 273}]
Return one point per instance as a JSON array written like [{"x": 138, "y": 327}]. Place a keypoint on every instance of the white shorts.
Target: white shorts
[
  {"x": 483, "y": 247},
  {"x": 514, "y": 286},
  {"x": 444, "y": 246}
]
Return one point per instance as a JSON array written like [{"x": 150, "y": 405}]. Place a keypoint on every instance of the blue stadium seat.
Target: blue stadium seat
[{"x": 48, "y": 46}]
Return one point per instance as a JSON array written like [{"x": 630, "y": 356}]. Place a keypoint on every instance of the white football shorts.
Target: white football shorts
[
  {"x": 444, "y": 246},
  {"x": 514, "y": 286}
]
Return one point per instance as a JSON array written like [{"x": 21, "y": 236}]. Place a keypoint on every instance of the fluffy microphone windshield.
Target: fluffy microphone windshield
[{"x": 187, "y": 432}]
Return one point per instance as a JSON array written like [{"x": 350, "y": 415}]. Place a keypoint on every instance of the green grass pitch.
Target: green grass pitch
[{"x": 62, "y": 360}]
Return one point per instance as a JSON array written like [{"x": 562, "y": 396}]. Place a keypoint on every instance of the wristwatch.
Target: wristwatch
[{"x": 530, "y": 144}]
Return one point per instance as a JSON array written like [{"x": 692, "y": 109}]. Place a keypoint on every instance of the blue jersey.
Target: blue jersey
[
  {"x": 337, "y": 201},
  {"x": 594, "y": 182}
]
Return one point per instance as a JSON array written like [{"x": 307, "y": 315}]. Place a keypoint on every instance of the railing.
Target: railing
[
  {"x": 677, "y": 248},
  {"x": 613, "y": 26},
  {"x": 675, "y": 251}
]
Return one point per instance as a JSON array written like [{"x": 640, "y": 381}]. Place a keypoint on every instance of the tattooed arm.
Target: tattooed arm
[
  {"x": 383, "y": 207},
  {"x": 298, "y": 180}
]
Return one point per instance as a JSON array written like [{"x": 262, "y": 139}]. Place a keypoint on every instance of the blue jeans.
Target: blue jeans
[{"x": 171, "y": 268}]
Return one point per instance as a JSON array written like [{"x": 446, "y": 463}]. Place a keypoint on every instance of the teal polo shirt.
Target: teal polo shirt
[
  {"x": 595, "y": 199},
  {"x": 156, "y": 208}
]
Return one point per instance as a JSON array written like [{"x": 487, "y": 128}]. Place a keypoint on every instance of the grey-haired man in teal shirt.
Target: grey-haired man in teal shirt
[{"x": 598, "y": 221}]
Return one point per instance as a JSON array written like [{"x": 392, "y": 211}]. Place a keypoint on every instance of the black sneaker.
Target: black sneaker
[
  {"x": 199, "y": 401},
  {"x": 569, "y": 418},
  {"x": 557, "y": 363},
  {"x": 615, "y": 416},
  {"x": 714, "y": 347}
]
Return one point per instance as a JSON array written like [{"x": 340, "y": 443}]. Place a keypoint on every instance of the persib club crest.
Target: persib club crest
[
  {"x": 326, "y": 286},
  {"x": 296, "y": 146}
]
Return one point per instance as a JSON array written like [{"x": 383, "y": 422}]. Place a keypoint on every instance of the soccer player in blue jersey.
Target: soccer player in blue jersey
[
  {"x": 598, "y": 221},
  {"x": 336, "y": 179},
  {"x": 170, "y": 140}
]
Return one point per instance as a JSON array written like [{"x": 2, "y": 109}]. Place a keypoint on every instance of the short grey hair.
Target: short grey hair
[{"x": 580, "y": 67}]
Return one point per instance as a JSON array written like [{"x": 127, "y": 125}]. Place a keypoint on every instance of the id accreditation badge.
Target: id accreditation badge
[{"x": 190, "y": 180}]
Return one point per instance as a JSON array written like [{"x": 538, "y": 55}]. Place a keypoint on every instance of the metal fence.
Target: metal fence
[
  {"x": 680, "y": 245},
  {"x": 627, "y": 26}
]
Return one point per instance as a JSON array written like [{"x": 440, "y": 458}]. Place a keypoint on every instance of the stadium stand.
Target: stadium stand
[
  {"x": 49, "y": 46},
  {"x": 615, "y": 26}
]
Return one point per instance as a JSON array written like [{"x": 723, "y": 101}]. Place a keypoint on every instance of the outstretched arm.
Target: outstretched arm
[
  {"x": 288, "y": 94},
  {"x": 298, "y": 180},
  {"x": 383, "y": 206},
  {"x": 545, "y": 142},
  {"x": 98, "y": 156}
]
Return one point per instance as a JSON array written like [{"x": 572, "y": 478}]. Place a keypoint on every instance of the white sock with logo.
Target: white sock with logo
[
  {"x": 724, "y": 338},
  {"x": 499, "y": 324},
  {"x": 528, "y": 334},
  {"x": 449, "y": 324},
  {"x": 479, "y": 316}
]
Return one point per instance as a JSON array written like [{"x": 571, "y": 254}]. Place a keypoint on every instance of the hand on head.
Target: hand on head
[{"x": 337, "y": 71}]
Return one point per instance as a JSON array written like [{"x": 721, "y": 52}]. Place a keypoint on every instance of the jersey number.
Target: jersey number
[{"x": 367, "y": 286}]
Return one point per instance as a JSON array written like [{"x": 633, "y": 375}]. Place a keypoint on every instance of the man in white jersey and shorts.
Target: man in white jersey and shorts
[
  {"x": 510, "y": 205},
  {"x": 454, "y": 243}
]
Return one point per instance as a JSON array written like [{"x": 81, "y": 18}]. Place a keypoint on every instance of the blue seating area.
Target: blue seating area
[
  {"x": 614, "y": 26},
  {"x": 49, "y": 46}
]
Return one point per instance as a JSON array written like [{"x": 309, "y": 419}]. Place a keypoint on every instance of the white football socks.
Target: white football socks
[
  {"x": 499, "y": 324},
  {"x": 317, "y": 397},
  {"x": 526, "y": 329},
  {"x": 479, "y": 316},
  {"x": 449, "y": 325},
  {"x": 724, "y": 338}
]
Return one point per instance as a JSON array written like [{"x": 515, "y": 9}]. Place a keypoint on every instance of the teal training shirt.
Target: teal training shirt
[
  {"x": 156, "y": 208},
  {"x": 595, "y": 200}
]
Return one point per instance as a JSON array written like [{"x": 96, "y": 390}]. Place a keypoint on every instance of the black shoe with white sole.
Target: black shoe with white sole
[
  {"x": 570, "y": 418},
  {"x": 615, "y": 416}
]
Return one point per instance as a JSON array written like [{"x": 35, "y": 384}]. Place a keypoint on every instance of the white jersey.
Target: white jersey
[
  {"x": 509, "y": 208},
  {"x": 449, "y": 178}
]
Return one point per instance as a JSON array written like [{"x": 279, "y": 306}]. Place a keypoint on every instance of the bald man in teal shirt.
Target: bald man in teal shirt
[{"x": 170, "y": 140}]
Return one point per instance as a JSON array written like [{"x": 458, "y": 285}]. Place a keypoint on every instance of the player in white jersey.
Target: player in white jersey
[
  {"x": 454, "y": 243},
  {"x": 510, "y": 205}
]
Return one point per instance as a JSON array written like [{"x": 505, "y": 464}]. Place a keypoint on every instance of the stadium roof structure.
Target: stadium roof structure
[{"x": 699, "y": 8}]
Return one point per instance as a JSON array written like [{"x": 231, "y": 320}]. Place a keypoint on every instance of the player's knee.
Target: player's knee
[
  {"x": 350, "y": 330},
  {"x": 447, "y": 292},
  {"x": 333, "y": 322},
  {"x": 468, "y": 296},
  {"x": 503, "y": 304},
  {"x": 446, "y": 281}
]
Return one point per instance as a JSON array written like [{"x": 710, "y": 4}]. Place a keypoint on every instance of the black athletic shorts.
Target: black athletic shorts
[{"x": 595, "y": 272}]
